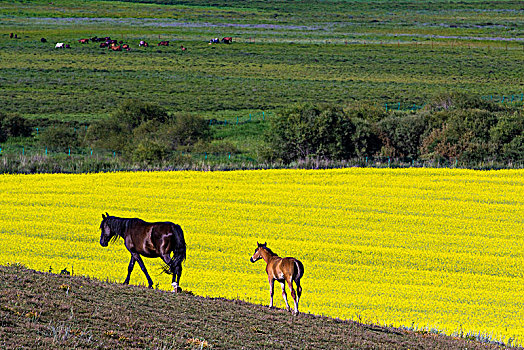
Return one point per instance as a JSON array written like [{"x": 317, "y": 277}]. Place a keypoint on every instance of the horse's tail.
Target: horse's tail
[
  {"x": 178, "y": 244},
  {"x": 178, "y": 248},
  {"x": 299, "y": 270}
]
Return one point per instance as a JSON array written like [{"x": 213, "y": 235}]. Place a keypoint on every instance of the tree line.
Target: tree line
[{"x": 451, "y": 127}]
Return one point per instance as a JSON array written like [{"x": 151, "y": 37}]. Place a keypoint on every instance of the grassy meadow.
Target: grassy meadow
[{"x": 307, "y": 51}]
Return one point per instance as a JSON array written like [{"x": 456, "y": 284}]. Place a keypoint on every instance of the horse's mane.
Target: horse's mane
[
  {"x": 119, "y": 226},
  {"x": 270, "y": 251}
]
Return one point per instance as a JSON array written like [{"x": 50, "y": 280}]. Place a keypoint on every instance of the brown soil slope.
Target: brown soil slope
[{"x": 49, "y": 311}]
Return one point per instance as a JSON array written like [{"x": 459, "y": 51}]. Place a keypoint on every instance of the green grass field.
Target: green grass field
[{"x": 306, "y": 51}]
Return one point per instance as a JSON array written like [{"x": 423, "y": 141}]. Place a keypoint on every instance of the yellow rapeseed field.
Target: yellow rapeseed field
[{"x": 425, "y": 248}]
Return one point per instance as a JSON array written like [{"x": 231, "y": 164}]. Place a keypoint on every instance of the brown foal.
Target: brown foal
[{"x": 283, "y": 270}]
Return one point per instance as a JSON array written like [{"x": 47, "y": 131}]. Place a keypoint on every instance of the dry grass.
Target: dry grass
[{"x": 48, "y": 311}]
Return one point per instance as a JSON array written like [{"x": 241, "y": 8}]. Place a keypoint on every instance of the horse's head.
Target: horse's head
[
  {"x": 107, "y": 233},
  {"x": 258, "y": 254}
]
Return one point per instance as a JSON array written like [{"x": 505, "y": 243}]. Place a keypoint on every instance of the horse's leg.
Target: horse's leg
[
  {"x": 176, "y": 271},
  {"x": 284, "y": 294},
  {"x": 178, "y": 274},
  {"x": 172, "y": 269},
  {"x": 271, "y": 291},
  {"x": 143, "y": 267},
  {"x": 130, "y": 269},
  {"x": 293, "y": 294}
]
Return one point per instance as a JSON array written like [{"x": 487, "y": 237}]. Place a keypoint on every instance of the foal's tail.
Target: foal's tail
[{"x": 299, "y": 270}]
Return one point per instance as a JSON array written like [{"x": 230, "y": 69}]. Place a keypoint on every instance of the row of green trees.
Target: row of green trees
[
  {"x": 140, "y": 132},
  {"x": 451, "y": 127}
]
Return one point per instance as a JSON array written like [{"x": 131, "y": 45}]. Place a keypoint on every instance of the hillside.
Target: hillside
[{"x": 43, "y": 310}]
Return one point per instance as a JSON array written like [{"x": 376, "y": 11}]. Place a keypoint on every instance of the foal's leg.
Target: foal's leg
[
  {"x": 299, "y": 289},
  {"x": 130, "y": 269},
  {"x": 293, "y": 294},
  {"x": 271, "y": 291},
  {"x": 284, "y": 295},
  {"x": 143, "y": 267}
]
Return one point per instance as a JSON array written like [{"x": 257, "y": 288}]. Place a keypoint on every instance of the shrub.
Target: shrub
[
  {"x": 514, "y": 150},
  {"x": 465, "y": 136},
  {"x": 365, "y": 111},
  {"x": 3, "y": 135},
  {"x": 59, "y": 138},
  {"x": 216, "y": 146},
  {"x": 365, "y": 139},
  {"x": 185, "y": 129},
  {"x": 132, "y": 113},
  {"x": 508, "y": 135},
  {"x": 456, "y": 100},
  {"x": 107, "y": 134},
  {"x": 149, "y": 152},
  {"x": 12, "y": 125},
  {"x": 311, "y": 131},
  {"x": 402, "y": 134}
]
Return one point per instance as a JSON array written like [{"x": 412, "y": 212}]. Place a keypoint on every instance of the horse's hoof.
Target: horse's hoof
[{"x": 177, "y": 290}]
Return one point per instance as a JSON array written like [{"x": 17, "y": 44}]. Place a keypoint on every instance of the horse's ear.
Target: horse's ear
[
  {"x": 258, "y": 244},
  {"x": 107, "y": 214},
  {"x": 265, "y": 244},
  {"x": 103, "y": 216}
]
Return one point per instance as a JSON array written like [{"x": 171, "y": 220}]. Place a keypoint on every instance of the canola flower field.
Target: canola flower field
[{"x": 435, "y": 249}]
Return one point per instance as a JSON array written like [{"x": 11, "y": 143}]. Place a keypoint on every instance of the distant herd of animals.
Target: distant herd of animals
[
  {"x": 111, "y": 44},
  {"x": 166, "y": 240}
]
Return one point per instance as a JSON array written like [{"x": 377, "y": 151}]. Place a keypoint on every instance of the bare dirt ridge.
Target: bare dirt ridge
[{"x": 48, "y": 311}]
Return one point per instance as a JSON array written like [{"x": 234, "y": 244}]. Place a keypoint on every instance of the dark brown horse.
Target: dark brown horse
[
  {"x": 152, "y": 240},
  {"x": 283, "y": 270}
]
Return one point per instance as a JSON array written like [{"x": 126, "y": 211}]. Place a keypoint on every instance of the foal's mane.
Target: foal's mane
[{"x": 269, "y": 251}]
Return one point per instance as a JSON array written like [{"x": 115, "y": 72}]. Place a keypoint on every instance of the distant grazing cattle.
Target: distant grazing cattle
[
  {"x": 126, "y": 47},
  {"x": 183, "y": 48},
  {"x": 214, "y": 41},
  {"x": 43, "y": 40},
  {"x": 115, "y": 47},
  {"x": 104, "y": 45},
  {"x": 67, "y": 46},
  {"x": 227, "y": 40},
  {"x": 143, "y": 43},
  {"x": 83, "y": 41},
  {"x": 59, "y": 46},
  {"x": 163, "y": 43},
  {"x": 11, "y": 35}
]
